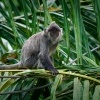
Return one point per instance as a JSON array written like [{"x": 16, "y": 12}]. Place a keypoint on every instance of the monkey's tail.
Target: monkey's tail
[{"x": 13, "y": 66}]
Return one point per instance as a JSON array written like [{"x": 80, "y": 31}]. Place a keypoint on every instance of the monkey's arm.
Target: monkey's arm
[{"x": 45, "y": 59}]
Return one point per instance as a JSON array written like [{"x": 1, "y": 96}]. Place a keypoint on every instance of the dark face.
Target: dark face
[{"x": 54, "y": 33}]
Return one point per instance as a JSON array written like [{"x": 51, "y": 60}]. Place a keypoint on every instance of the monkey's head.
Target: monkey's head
[{"x": 54, "y": 32}]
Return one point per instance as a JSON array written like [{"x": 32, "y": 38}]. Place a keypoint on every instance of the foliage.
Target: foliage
[{"x": 77, "y": 56}]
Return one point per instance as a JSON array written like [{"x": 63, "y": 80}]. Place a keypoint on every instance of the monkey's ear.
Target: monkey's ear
[
  {"x": 61, "y": 31},
  {"x": 45, "y": 30}
]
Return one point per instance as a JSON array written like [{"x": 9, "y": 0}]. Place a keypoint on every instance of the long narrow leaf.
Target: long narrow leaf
[
  {"x": 77, "y": 90},
  {"x": 86, "y": 90},
  {"x": 57, "y": 82},
  {"x": 96, "y": 95}
]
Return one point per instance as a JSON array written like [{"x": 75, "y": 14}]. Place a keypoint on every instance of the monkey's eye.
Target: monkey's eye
[{"x": 54, "y": 29}]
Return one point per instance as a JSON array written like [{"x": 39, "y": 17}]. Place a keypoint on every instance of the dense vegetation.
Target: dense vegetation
[{"x": 77, "y": 57}]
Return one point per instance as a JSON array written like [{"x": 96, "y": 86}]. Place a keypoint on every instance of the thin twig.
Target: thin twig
[
  {"x": 84, "y": 55},
  {"x": 26, "y": 90}
]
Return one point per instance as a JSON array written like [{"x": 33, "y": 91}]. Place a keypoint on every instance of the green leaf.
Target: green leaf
[
  {"x": 96, "y": 95},
  {"x": 5, "y": 84},
  {"x": 77, "y": 90},
  {"x": 56, "y": 83},
  {"x": 86, "y": 90},
  {"x": 76, "y": 15},
  {"x": 90, "y": 61}
]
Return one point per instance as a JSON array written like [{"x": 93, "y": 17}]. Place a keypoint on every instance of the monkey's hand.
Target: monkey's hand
[{"x": 54, "y": 71}]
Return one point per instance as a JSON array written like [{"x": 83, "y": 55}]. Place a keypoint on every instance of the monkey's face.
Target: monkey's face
[{"x": 54, "y": 33}]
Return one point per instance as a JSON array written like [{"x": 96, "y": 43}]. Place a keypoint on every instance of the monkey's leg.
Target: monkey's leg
[
  {"x": 47, "y": 64},
  {"x": 31, "y": 62}
]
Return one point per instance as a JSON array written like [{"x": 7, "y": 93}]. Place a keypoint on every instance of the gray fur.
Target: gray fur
[{"x": 37, "y": 50}]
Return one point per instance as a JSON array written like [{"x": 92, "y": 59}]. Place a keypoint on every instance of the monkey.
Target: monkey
[{"x": 38, "y": 49}]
